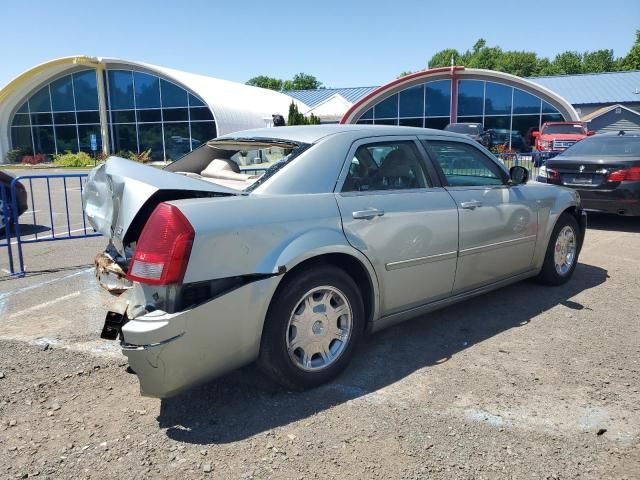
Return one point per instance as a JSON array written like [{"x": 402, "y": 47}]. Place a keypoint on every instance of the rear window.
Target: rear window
[{"x": 602, "y": 146}]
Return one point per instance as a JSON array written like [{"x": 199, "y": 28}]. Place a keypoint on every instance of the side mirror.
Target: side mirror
[
  {"x": 518, "y": 175},
  {"x": 535, "y": 133},
  {"x": 591, "y": 132}
]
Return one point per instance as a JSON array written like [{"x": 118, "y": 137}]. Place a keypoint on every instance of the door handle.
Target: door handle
[
  {"x": 471, "y": 205},
  {"x": 367, "y": 214}
]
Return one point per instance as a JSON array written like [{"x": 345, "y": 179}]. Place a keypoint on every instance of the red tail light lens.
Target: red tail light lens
[
  {"x": 163, "y": 249},
  {"x": 553, "y": 174},
  {"x": 625, "y": 175}
]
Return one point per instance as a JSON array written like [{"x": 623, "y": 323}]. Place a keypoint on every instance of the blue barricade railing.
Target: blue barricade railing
[
  {"x": 6, "y": 220},
  {"x": 530, "y": 160},
  {"x": 42, "y": 208}
]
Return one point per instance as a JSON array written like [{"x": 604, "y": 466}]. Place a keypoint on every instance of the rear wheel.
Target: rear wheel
[
  {"x": 562, "y": 252},
  {"x": 313, "y": 325}
]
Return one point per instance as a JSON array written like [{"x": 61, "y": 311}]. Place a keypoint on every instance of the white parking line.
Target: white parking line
[
  {"x": 42, "y": 284},
  {"x": 44, "y": 305}
]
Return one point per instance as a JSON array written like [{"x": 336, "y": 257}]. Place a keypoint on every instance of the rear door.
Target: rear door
[
  {"x": 498, "y": 222},
  {"x": 395, "y": 212}
]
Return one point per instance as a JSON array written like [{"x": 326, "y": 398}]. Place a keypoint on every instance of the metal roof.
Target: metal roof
[
  {"x": 315, "y": 97},
  {"x": 590, "y": 88}
]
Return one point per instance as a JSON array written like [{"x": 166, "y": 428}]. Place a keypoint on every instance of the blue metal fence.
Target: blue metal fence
[{"x": 44, "y": 193}]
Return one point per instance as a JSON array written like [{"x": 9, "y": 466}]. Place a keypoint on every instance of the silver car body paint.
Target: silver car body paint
[{"x": 425, "y": 252}]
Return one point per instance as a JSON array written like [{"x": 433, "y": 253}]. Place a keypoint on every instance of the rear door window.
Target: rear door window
[{"x": 464, "y": 165}]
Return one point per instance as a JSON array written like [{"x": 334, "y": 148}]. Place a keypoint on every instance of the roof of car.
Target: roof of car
[
  {"x": 313, "y": 133},
  {"x": 631, "y": 133}
]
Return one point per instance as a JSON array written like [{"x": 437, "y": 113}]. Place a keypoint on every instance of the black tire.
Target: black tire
[
  {"x": 274, "y": 357},
  {"x": 549, "y": 275}
]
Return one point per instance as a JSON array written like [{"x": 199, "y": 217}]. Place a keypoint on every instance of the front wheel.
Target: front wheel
[
  {"x": 562, "y": 252},
  {"x": 314, "y": 323}
]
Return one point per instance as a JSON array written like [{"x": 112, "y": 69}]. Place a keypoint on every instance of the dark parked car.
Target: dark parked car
[
  {"x": 21, "y": 197},
  {"x": 472, "y": 130},
  {"x": 605, "y": 169},
  {"x": 500, "y": 136}
]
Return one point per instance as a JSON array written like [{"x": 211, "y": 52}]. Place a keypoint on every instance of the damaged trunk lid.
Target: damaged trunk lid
[{"x": 119, "y": 190}]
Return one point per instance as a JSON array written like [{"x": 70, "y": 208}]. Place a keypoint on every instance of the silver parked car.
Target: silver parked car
[{"x": 349, "y": 229}]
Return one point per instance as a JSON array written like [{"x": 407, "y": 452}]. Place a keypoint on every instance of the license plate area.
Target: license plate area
[{"x": 578, "y": 179}]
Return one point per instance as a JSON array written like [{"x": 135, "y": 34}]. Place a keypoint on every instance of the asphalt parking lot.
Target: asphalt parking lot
[{"x": 525, "y": 382}]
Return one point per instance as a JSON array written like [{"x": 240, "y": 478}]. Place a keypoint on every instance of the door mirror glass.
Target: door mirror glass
[{"x": 519, "y": 175}]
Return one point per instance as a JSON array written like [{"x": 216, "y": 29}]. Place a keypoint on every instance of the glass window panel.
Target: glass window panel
[
  {"x": 437, "y": 123},
  {"x": 67, "y": 139},
  {"x": 40, "y": 101},
  {"x": 85, "y": 132},
  {"x": 199, "y": 114},
  {"x": 470, "y": 97},
  {"x": 123, "y": 116},
  {"x": 64, "y": 118},
  {"x": 172, "y": 95},
  {"x": 469, "y": 119},
  {"x": 41, "y": 119},
  {"x": 412, "y": 102},
  {"x": 176, "y": 114},
  {"x": 43, "y": 140},
  {"x": 524, "y": 102},
  {"x": 21, "y": 138},
  {"x": 150, "y": 136},
  {"x": 412, "y": 122},
  {"x": 195, "y": 102},
  {"x": 365, "y": 122},
  {"x": 202, "y": 132},
  {"x": 387, "y": 108},
  {"x": 552, "y": 117},
  {"x": 438, "y": 98},
  {"x": 386, "y": 121},
  {"x": 86, "y": 90},
  {"x": 149, "y": 115},
  {"x": 367, "y": 115},
  {"x": 546, "y": 108},
  {"x": 120, "y": 89},
  {"x": 147, "y": 90},
  {"x": 176, "y": 140},
  {"x": 501, "y": 122},
  {"x": 88, "y": 117},
  {"x": 124, "y": 138},
  {"x": 497, "y": 99},
  {"x": 20, "y": 119},
  {"x": 525, "y": 125},
  {"x": 24, "y": 108},
  {"x": 62, "y": 95}
]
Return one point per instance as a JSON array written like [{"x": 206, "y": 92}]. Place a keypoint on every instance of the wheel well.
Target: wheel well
[{"x": 353, "y": 267}]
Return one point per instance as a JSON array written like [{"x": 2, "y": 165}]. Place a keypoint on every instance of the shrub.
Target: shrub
[
  {"x": 68, "y": 159},
  {"x": 15, "y": 155},
  {"x": 142, "y": 157},
  {"x": 33, "y": 159}
]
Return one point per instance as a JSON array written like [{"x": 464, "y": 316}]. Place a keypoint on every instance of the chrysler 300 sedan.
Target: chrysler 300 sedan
[{"x": 327, "y": 233}]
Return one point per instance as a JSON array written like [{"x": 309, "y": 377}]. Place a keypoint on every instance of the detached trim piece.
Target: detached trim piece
[
  {"x": 130, "y": 346},
  {"x": 493, "y": 246},
  {"x": 420, "y": 261}
]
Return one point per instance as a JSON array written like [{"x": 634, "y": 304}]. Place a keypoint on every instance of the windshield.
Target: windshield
[
  {"x": 463, "y": 128},
  {"x": 257, "y": 159},
  {"x": 604, "y": 146},
  {"x": 572, "y": 128}
]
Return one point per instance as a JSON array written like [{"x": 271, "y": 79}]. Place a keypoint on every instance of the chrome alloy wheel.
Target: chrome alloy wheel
[
  {"x": 319, "y": 328},
  {"x": 564, "y": 253}
]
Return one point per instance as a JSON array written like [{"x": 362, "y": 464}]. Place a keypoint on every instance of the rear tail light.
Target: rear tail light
[
  {"x": 163, "y": 249},
  {"x": 625, "y": 175}
]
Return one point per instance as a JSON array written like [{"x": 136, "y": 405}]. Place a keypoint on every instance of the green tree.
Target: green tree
[
  {"x": 523, "y": 64},
  {"x": 598, "y": 61},
  {"x": 632, "y": 60},
  {"x": 568, "y": 63},
  {"x": 297, "y": 118},
  {"x": 443, "y": 58},
  {"x": 545, "y": 67},
  {"x": 302, "y": 81},
  {"x": 404, "y": 73},
  {"x": 264, "y": 81}
]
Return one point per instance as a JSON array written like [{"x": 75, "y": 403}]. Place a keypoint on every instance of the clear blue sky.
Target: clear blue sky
[{"x": 343, "y": 43}]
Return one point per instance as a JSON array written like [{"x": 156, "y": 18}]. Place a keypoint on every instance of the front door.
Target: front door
[
  {"x": 395, "y": 214},
  {"x": 498, "y": 222}
]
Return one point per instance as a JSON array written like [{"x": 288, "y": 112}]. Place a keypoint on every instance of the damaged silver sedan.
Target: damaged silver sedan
[{"x": 286, "y": 245}]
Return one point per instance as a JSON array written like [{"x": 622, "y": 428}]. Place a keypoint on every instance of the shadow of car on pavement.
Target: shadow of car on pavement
[{"x": 244, "y": 403}]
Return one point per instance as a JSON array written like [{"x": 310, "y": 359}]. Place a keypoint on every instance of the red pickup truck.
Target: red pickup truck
[{"x": 558, "y": 136}]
